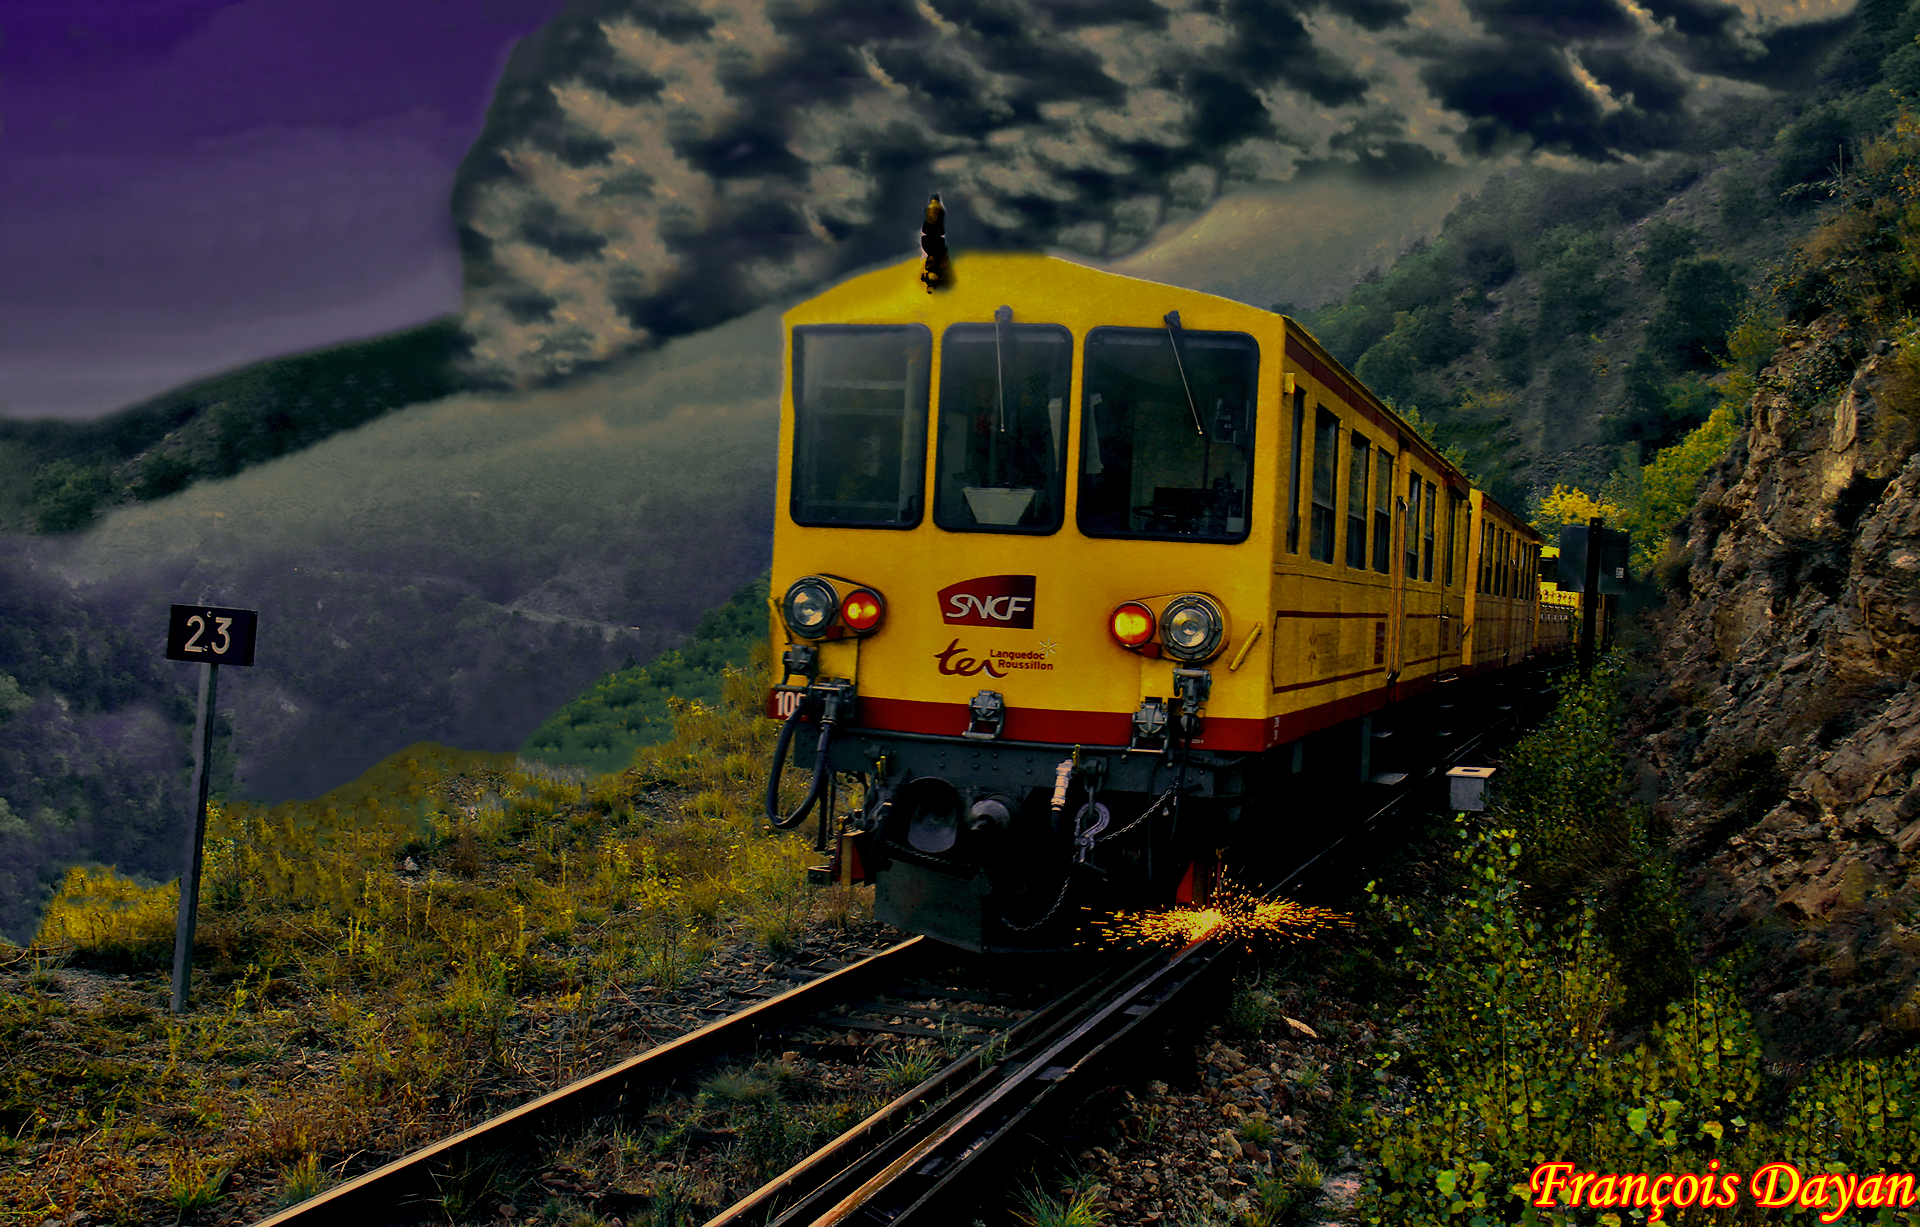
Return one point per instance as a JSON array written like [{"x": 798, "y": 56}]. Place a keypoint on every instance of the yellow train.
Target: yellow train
[{"x": 1086, "y": 576}]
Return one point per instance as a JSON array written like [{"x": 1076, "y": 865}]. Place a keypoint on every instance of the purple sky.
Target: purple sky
[{"x": 186, "y": 185}]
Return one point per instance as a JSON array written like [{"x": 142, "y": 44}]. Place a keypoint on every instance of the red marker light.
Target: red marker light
[
  {"x": 1131, "y": 624},
  {"x": 862, "y": 609}
]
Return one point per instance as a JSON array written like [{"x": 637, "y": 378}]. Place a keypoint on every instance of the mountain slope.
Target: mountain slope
[{"x": 455, "y": 571}]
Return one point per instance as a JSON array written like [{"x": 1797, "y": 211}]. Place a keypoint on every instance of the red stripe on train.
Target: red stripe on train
[{"x": 1115, "y": 729}]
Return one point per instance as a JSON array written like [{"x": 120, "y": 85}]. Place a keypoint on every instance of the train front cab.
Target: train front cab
[{"x": 1058, "y": 544}]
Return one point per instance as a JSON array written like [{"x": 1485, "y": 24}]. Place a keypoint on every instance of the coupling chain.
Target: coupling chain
[
  {"x": 1057, "y": 901},
  {"x": 1145, "y": 814}
]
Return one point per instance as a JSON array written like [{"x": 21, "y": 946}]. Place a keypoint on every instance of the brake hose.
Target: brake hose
[{"x": 780, "y": 764}]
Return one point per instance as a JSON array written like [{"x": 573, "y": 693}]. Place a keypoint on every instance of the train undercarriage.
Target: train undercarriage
[{"x": 991, "y": 845}]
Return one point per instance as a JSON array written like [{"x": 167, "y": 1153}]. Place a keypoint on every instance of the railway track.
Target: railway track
[
  {"x": 911, "y": 992},
  {"x": 935, "y": 1152},
  {"x": 1029, "y": 1049},
  {"x": 940, "y": 1165}
]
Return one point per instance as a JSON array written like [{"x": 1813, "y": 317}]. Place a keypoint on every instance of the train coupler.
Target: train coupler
[
  {"x": 1149, "y": 726},
  {"x": 1191, "y": 687},
  {"x": 986, "y": 716},
  {"x": 1087, "y": 825}
]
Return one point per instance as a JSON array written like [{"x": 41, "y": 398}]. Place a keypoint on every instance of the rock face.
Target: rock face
[{"x": 1787, "y": 731}]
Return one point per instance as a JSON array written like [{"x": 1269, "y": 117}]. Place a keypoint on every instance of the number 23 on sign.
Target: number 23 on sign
[{"x": 215, "y": 636}]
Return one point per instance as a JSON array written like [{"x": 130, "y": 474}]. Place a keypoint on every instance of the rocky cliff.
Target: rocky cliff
[{"x": 1785, "y": 730}]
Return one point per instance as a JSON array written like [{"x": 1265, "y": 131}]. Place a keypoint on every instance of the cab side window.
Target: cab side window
[
  {"x": 1383, "y": 512},
  {"x": 1359, "y": 452},
  {"x": 1326, "y": 473},
  {"x": 1426, "y": 549}
]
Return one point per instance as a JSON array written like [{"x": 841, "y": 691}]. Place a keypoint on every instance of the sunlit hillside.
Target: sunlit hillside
[
  {"x": 458, "y": 569},
  {"x": 455, "y": 571}
]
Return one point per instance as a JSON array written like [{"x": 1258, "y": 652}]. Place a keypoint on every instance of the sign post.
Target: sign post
[{"x": 213, "y": 637}]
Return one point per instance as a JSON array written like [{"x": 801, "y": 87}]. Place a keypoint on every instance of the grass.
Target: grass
[
  {"x": 381, "y": 966},
  {"x": 1071, "y": 1208},
  {"x": 910, "y": 1067}
]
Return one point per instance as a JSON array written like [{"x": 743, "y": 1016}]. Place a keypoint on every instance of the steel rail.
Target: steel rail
[
  {"x": 410, "y": 1181},
  {"x": 912, "y": 1177},
  {"x": 844, "y": 1163}
]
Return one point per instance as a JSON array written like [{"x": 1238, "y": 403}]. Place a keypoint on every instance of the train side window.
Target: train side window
[
  {"x": 1002, "y": 428},
  {"x": 1167, "y": 432},
  {"x": 1486, "y": 557},
  {"x": 1326, "y": 476},
  {"x": 1426, "y": 559},
  {"x": 1359, "y": 452},
  {"x": 1412, "y": 543},
  {"x": 859, "y": 424},
  {"x": 1293, "y": 488},
  {"x": 1454, "y": 507},
  {"x": 1383, "y": 512}
]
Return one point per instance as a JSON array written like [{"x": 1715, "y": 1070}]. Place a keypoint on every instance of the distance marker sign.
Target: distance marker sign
[{"x": 211, "y": 635}]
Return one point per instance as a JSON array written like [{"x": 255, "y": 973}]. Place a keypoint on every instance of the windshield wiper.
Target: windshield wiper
[
  {"x": 1172, "y": 321},
  {"x": 1002, "y": 316}
]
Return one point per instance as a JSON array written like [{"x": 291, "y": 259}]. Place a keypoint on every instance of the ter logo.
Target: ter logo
[{"x": 991, "y": 600}]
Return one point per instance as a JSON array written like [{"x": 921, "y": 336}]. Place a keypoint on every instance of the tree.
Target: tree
[
  {"x": 65, "y": 494},
  {"x": 1670, "y": 485},
  {"x": 1702, "y": 299},
  {"x": 1571, "y": 505}
]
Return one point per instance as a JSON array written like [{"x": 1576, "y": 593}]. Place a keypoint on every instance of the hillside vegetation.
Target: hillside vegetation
[
  {"x": 381, "y": 966},
  {"x": 56, "y": 476},
  {"x": 635, "y": 705},
  {"x": 1549, "y": 1010},
  {"x": 1566, "y": 325}
]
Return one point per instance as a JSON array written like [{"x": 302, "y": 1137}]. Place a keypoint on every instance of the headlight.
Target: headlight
[
  {"x": 1131, "y": 624},
  {"x": 862, "y": 610},
  {"x": 809, "y": 607},
  {"x": 1191, "y": 628}
]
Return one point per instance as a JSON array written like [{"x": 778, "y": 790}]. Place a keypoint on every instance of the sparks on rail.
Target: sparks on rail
[{"x": 1232, "y": 912}]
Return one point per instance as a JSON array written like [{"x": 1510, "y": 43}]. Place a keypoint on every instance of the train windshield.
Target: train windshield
[
  {"x": 1002, "y": 432},
  {"x": 859, "y": 424},
  {"x": 1167, "y": 436}
]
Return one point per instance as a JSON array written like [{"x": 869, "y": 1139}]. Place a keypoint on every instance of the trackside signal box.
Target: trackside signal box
[{"x": 1467, "y": 788}]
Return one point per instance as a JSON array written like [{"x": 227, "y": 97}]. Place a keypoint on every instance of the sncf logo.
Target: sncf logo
[{"x": 991, "y": 600}]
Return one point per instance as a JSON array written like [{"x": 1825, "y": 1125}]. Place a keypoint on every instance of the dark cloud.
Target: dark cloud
[
  {"x": 1372, "y": 16},
  {"x": 1274, "y": 44},
  {"x": 1523, "y": 94},
  {"x": 1558, "y": 21},
  {"x": 1717, "y": 39},
  {"x": 733, "y": 153},
  {"x": 1589, "y": 79}
]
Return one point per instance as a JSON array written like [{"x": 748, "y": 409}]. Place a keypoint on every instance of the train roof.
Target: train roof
[{"x": 1508, "y": 518}]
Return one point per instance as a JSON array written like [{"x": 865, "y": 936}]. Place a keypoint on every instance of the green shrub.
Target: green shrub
[
  {"x": 1528, "y": 985},
  {"x": 64, "y": 495},
  {"x": 632, "y": 707},
  {"x": 1516, "y": 1062},
  {"x": 1670, "y": 485},
  {"x": 1702, "y": 299}
]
